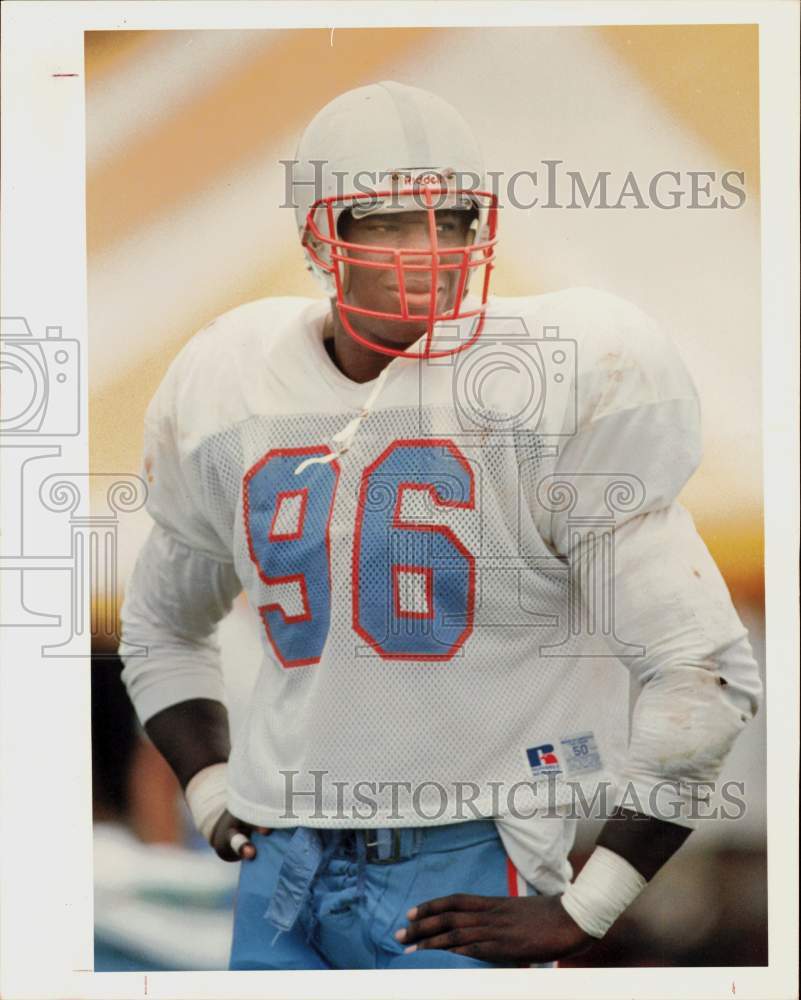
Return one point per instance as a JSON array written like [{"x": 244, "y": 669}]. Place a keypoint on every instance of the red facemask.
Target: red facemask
[{"x": 333, "y": 254}]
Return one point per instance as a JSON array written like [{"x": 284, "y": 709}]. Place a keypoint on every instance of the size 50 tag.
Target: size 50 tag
[{"x": 580, "y": 754}]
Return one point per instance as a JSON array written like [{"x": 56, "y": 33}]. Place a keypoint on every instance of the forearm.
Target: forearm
[
  {"x": 191, "y": 735},
  {"x": 645, "y": 842}
]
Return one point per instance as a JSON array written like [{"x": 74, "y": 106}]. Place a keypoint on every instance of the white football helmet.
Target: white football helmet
[{"x": 389, "y": 147}]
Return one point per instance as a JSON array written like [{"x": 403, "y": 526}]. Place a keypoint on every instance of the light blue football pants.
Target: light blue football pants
[{"x": 333, "y": 899}]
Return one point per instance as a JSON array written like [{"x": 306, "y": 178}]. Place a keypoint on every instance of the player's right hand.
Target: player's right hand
[{"x": 230, "y": 838}]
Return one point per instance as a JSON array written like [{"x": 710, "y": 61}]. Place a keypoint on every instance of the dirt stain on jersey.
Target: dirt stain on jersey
[{"x": 611, "y": 361}]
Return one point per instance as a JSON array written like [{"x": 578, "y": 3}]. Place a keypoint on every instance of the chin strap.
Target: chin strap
[{"x": 343, "y": 439}]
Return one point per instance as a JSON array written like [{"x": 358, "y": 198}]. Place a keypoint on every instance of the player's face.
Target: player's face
[{"x": 378, "y": 289}]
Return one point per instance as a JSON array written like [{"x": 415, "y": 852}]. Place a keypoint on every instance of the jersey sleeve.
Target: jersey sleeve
[
  {"x": 697, "y": 682},
  {"x": 184, "y": 581},
  {"x": 175, "y": 490},
  {"x": 173, "y": 603},
  {"x": 637, "y": 441},
  {"x": 632, "y": 438}
]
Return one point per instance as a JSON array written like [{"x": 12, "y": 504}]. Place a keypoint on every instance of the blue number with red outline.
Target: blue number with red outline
[
  {"x": 296, "y": 558},
  {"x": 385, "y": 547}
]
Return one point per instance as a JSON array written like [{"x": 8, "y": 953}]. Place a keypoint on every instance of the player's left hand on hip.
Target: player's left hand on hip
[{"x": 495, "y": 929}]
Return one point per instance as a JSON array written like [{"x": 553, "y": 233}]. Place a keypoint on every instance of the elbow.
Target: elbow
[{"x": 685, "y": 724}]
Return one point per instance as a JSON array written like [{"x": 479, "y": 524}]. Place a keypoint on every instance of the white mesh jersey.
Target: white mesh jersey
[{"x": 442, "y": 606}]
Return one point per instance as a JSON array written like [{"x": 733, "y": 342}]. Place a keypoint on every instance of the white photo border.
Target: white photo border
[{"x": 45, "y": 794}]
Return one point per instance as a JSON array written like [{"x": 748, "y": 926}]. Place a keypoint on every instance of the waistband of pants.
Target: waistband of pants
[
  {"x": 310, "y": 848},
  {"x": 387, "y": 845}
]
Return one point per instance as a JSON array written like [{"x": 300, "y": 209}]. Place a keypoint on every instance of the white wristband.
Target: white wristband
[
  {"x": 207, "y": 797},
  {"x": 605, "y": 887}
]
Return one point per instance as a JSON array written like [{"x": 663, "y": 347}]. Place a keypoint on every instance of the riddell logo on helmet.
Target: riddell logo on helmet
[{"x": 421, "y": 176}]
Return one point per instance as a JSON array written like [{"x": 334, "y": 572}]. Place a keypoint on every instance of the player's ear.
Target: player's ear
[{"x": 343, "y": 224}]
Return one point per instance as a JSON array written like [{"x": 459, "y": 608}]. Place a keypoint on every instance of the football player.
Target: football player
[{"x": 456, "y": 518}]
